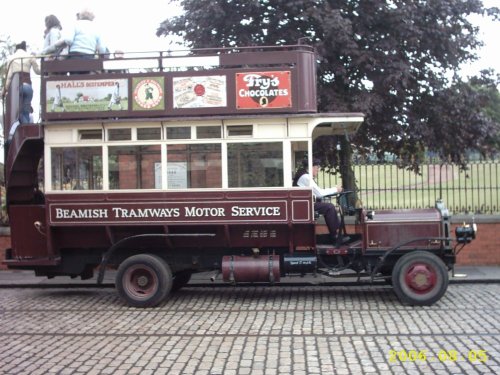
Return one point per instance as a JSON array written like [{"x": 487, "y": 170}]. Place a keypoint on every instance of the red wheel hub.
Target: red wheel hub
[
  {"x": 140, "y": 281},
  {"x": 420, "y": 277}
]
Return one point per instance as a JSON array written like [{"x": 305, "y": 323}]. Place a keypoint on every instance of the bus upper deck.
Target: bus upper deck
[{"x": 220, "y": 81}]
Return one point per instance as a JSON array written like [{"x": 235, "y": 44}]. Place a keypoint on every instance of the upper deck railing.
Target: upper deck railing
[{"x": 220, "y": 81}]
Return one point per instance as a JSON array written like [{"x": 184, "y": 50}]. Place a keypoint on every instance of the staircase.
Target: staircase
[{"x": 22, "y": 157}]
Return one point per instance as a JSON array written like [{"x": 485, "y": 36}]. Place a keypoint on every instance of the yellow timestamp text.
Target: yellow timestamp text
[{"x": 473, "y": 356}]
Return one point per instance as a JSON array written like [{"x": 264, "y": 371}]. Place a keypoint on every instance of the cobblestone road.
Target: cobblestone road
[{"x": 260, "y": 330}]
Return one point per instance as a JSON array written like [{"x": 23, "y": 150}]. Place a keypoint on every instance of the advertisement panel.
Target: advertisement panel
[
  {"x": 200, "y": 91},
  {"x": 87, "y": 95},
  {"x": 148, "y": 93},
  {"x": 256, "y": 90}
]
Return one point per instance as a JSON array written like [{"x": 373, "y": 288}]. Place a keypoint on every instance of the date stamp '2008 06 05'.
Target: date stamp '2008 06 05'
[{"x": 473, "y": 356}]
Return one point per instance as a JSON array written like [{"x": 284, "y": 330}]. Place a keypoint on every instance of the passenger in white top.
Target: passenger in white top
[
  {"x": 22, "y": 62},
  {"x": 303, "y": 178}
]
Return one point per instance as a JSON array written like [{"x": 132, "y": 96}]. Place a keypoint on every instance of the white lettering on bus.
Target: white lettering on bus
[
  {"x": 255, "y": 211},
  {"x": 205, "y": 211},
  {"x": 258, "y": 93},
  {"x": 256, "y": 80},
  {"x": 145, "y": 212},
  {"x": 87, "y": 213}
]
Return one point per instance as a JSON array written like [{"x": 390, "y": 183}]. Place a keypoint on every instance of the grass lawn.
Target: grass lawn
[{"x": 476, "y": 190}]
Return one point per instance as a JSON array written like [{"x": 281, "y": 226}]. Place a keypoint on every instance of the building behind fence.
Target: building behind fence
[{"x": 383, "y": 185}]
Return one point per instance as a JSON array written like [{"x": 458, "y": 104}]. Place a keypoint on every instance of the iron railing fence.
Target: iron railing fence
[{"x": 383, "y": 185}]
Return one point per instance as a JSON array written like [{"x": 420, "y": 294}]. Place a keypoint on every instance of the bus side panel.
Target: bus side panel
[
  {"x": 28, "y": 242},
  {"x": 408, "y": 229},
  {"x": 304, "y": 235},
  {"x": 233, "y": 219}
]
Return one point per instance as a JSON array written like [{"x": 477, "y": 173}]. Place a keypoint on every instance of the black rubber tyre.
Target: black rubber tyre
[
  {"x": 143, "y": 280},
  {"x": 419, "y": 278},
  {"x": 180, "y": 280}
]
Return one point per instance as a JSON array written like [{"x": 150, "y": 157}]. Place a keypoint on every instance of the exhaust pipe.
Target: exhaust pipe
[{"x": 214, "y": 276}]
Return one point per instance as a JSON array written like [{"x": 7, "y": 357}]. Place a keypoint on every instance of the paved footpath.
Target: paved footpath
[{"x": 253, "y": 330}]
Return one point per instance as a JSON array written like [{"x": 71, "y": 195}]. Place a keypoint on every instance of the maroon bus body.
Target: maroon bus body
[{"x": 157, "y": 239}]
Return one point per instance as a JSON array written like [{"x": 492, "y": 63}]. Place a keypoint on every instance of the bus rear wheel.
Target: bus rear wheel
[
  {"x": 420, "y": 278},
  {"x": 143, "y": 280}
]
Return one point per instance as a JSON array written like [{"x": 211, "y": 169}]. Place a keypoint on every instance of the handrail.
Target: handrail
[{"x": 205, "y": 58}]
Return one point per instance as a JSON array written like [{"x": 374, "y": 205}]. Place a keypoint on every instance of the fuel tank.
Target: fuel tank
[{"x": 259, "y": 268}]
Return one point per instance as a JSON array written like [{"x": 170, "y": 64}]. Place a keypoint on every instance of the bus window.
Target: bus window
[
  {"x": 90, "y": 134},
  {"x": 134, "y": 167},
  {"x": 194, "y": 166},
  {"x": 255, "y": 164},
  {"x": 78, "y": 168},
  {"x": 299, "y": 155},
  {"x": 206, "y": 132},
  {"x": 239, "y": 130},
  {"x": 146, "y": 134},
  {"x": 119, "y": 134},
  {"x": 179, "y": 132}
]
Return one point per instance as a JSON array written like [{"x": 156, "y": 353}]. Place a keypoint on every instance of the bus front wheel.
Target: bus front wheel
[
  {"x": 419, "y": 278},
  {"x": 143, "y": 280}
]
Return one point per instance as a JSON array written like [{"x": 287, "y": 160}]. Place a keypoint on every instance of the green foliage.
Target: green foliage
[
  {"x": 391, "y": 60},
  {"x": 486, "y": 87}
]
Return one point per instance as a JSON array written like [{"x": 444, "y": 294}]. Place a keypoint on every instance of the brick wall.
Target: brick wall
[
  {"x": 4, "y": 243},
  {"x": 483, "y": 251}
]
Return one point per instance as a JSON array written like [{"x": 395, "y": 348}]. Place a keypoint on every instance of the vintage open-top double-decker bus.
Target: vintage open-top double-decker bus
[{"x": 161, "y": 165}]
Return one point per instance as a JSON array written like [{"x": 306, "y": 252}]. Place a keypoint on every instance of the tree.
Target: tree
[
  {"x": 394, "y": 60},
  {"x": 6, "y": 49},
  {"x": 486, "y": 86}
]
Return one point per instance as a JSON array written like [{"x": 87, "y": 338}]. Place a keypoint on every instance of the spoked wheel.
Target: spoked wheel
[
  {"x": 144, "y": 280},
  {"x": 420, "y": 278},
  {"x": 180, "y": 280}
]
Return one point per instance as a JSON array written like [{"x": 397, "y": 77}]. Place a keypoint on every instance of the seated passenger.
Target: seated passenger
[
  {"x": 83, "y": 40},
  {"x": 303, "y": 178},
  {"x": 52, "y": 35}
]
